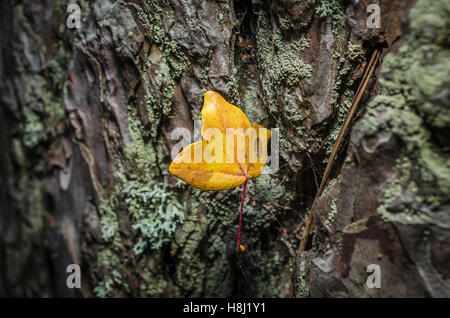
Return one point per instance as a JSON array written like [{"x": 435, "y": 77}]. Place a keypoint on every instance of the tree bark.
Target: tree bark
[{"x": 85, "y": 125}]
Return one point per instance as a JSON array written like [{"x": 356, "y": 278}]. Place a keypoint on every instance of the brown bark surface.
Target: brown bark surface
[{"x": 85, "y": 126}]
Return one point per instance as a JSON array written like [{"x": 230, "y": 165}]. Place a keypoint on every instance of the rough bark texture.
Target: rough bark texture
[
  {"x": 389, "y": 204},
  {"x": 85, "y": 122}
]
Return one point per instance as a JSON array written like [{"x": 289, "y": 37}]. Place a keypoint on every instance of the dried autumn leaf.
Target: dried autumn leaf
[{"x": 231, "y": 166}]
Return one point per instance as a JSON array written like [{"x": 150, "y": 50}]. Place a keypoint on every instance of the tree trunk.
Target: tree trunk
[{"x": 86, "y": 119}]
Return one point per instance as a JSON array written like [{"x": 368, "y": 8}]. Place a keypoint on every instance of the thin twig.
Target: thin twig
[{"x": 359, "y": 93}]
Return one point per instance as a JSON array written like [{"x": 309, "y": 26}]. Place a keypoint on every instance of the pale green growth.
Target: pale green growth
[
  {"x": 301, "y": 279},
  {"x": 34, "y": 130},
  {"x": 155, "y": 214},
  {"x": 333, "y": 212},
  {"x": 104, "y": 288},
  {"x": 334, "y": 9},
  {"x": 413, "y": 79}
]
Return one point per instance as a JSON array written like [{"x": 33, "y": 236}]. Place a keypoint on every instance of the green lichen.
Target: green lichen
[
  {"x": 39, "y": 124},
  {"x": 34, "y": 130},
  {"x": 43, "y": 95},
  {"x": 152, "y": 284},
  {"x": 341, "y": 100},
  {"x": 140, "y": 196},
  {"x": 108, "y": 226},
  {"x": 145, "y": 154},
  {"x": 269, "y": 261},
  {"x": 200, "y": 233},
  {"x": 301, "y": 279},
  {"x": 210, "y": 219},
  {"x": 155, "y": 213},
  {"x": 410, "y": 108},
  {"x": 251, "y": 105},
  {"x": 165, "y": 64},
  {"x": 333, "y": 212},
  {"x": 218, "y": 215},
  {"x": 150, "y": 207},
  {"x": 104, "y": 288},
  {"x": 343, "y": 104},
  {"x": 355, "y": 52},
  {"x": 267, "y": 191},
  {"x": 401, "y": 189},
  {"x": 280, "y": 58},
  {"x": 40, "y": 109},
  {"x": 107, "y": 259},
  {"x": 334, "y": 9},
  {"x": 285, "y": 65}
]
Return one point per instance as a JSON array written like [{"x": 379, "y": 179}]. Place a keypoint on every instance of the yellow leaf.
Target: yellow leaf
[{"x": 227, "y": 155}]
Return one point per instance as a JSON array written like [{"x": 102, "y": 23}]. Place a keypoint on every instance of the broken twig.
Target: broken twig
[{"x": 370, "y": 68}]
